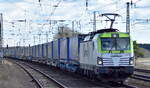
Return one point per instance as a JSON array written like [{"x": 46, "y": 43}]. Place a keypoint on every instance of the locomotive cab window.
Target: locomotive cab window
[{"x": 115, "y": 44}]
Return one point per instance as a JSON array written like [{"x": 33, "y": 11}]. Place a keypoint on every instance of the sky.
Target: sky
[{"x": 28, "y": 21}]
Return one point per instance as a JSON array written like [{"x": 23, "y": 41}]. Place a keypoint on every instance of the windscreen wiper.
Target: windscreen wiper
[{"x": 114, "y": 43}]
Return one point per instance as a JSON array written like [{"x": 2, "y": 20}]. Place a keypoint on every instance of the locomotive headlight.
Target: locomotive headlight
[
  {"x": 131, "y": 62},
  {"x": 114, "y": 35},
  {"x": 99, "y": 61}
]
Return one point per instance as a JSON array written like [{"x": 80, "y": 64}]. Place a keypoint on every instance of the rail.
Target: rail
[{"x": 35, "y": 79}]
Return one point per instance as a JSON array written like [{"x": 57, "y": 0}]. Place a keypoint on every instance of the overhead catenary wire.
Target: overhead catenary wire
[{"x": 120, "y": 10}]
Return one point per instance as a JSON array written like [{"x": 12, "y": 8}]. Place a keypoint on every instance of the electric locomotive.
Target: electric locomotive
[{"x": 108, "y": 54}]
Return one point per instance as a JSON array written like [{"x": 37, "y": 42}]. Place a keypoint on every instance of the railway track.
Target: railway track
[
  {"x": 142, "y": 74},
  {"x": 60, "y": 79},
  {"x": 41, "y": 79},
  {"x": 77, "y": 82},
  {"x": 141, "y": 77},
  {"x": 142, "y": 70}
]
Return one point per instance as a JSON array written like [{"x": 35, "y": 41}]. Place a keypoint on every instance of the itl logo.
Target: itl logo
[{"x": 116, "y": 55}]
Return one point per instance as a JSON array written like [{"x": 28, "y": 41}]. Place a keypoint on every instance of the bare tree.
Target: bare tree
[{"x": 64, "y": 31}]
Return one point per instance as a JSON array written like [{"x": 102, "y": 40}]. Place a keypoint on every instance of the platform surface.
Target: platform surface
[{"x": 11, "y": 76}]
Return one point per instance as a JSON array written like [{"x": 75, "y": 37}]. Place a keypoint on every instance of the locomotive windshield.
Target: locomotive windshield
[{"x": 111, "y": 44}]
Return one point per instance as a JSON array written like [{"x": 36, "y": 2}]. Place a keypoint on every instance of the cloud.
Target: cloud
[{"x": 10, "y": 1}]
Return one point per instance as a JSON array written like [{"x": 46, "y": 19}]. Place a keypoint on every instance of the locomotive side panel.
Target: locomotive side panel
[{"x": 87, "y": 60}]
